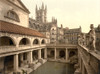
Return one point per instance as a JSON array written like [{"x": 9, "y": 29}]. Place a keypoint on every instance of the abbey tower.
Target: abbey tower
[{"x": 41, "y": 14}]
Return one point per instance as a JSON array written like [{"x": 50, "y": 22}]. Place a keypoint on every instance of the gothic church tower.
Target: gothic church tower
[{"x": 41, "y": 14}]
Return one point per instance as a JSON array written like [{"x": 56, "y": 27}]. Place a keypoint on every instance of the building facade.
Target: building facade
[
  {"x": 17, "y": 41},
  {"x": 71, "y": 35}
]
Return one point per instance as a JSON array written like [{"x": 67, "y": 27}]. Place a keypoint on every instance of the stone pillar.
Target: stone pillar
[
  {"x": 83, "y": 69},
  {"x": 16, "y": 62},
  {"x": 21, "y": 58},
  {"x": 67, "y": 54},
  {"x": 39, "y": 54},
  {"x": 45, "y": 53},
  {"x": 29, "y": 57},
  {"x": 55, "y": 53}
]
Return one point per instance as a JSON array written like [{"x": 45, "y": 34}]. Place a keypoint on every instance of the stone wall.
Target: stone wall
[{"x": 5, "y": 6}]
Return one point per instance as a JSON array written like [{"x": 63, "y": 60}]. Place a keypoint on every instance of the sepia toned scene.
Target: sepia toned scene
[{"x": 49, "y": 37}]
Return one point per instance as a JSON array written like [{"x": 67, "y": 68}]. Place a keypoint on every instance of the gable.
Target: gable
[{"x": 19, "y": 4}]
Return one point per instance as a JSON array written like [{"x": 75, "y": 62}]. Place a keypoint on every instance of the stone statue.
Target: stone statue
[
  {"x": 79, "y": 39},
  {"x": 92, "y": 38}
]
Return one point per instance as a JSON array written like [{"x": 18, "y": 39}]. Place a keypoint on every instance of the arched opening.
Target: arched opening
[
  {"x": 36, "y": 41},
  {"x": 8, "y": 64},
  {"x": 72, "y": 53},
  {"x": 24, "y": 56},
  {"x": 35, "y": 55},
  {"x": 52, "y": 54},
  {"x": 43, "y": 42},
  {"x": 62, "y": 54},
  {"x": 73, "y": 57},
  {"x": 6, "y": 41},
  {"x": 24, "y": 41},
  {"x": 12, "y": 15},
  {"x": 42, "y": 53}
]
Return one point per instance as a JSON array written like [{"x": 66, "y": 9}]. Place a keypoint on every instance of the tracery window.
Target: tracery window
[{"x": 12, "y": 15}]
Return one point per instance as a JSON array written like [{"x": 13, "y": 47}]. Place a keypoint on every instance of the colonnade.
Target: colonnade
[
  {"x": 66, "y": 54},
  {"x": 29, "y": 58}
]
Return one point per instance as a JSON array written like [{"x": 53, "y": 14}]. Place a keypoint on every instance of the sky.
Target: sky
[{"x": 70, "y": 13}]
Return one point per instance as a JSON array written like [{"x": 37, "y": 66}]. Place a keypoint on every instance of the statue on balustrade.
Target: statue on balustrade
[
  {"x": 92, "y": 38},
  {"x": 81, "y": 39}
]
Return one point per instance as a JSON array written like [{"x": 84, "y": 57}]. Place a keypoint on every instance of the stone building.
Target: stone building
[
  {"x": 21, "y": 47},
  {"x": 41, "y": 24},
  {"x": 60, "y": 35},
  {"x": 41, "y": 14},
  {"x": 17, "y": 41},
  {"x": 71, "y": 35},
  {"x": 10, "y": 9}
]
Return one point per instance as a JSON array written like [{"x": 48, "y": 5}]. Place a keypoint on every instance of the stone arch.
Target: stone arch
[
  {"x": 35, "y": 54},
  {"x": 12, "y": 15},
  {"x": 43, "y": 41},
  {"x": 8, "y": 63},
  {"x": 52, "y": 53},
  {"x": 24, "y": 41},
  {"x": 62, "y": 54},
  {"x": 36, "y": 42},
  {"x": 72, "y": 53},
  {"x": 7, "y": 41},
  {"x": 42, "y": 53}
]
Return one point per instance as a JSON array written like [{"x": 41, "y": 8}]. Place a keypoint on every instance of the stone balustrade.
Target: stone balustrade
[
  {"x": 89, "y": 61},
  {"x": 6, "y": 49}
]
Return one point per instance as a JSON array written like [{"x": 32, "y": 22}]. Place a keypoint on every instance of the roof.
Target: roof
[
  {"x": 25, "y": 8},
  {"x": 41, "y": 27},
  {"x": 16, "y": 29},
  {"x": 78, "y": 30}
]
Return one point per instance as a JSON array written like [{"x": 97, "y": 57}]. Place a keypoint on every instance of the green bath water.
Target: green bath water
[{"x": 54, "y": 68}]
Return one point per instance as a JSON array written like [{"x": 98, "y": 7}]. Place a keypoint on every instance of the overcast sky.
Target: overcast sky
[{"x": 70, "y": 13}]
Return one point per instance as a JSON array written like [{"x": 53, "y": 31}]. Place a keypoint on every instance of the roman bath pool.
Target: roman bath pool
[{"x": 54, "y": 68}]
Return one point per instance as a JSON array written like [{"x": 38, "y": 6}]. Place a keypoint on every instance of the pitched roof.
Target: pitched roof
[
  {"x": 20, "y": 2},
  {"x": 16, "y": 29}
]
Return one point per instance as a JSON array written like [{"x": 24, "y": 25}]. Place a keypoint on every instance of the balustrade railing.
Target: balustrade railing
[{"x": 4, "y": 49}]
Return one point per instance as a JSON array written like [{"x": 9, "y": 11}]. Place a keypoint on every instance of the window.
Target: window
[{"x": 12, "y": 15}]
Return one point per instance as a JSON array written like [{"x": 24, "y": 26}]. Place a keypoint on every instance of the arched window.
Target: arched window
[
  {"x": 43, "y": 42},
  {"x": 62, "y": 54},
  {"x": 24, "y": 41},
  {"x": 12, "y": 15},
  {"x": 36, "y": 41},
  {"x": 6, "y": 41}
]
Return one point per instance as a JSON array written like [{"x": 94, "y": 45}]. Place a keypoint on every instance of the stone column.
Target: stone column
[
  {"x": 16, "y": 62},
  {"x": 21, "y": 58},
  {"x": 83, "y": 69},
  {"x": 39, "y": 54},
  {"x": 55, "y": 53},
  {"x": 67, "y": 54},
  {"x": 29, "y": 57},
  {"x": 45, "y": 53}
]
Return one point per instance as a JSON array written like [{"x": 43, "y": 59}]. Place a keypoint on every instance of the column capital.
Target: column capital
[{"x": 66, "y": 48}]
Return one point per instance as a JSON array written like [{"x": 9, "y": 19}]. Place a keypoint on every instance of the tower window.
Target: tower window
[{"x": 12, "y": 15}]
